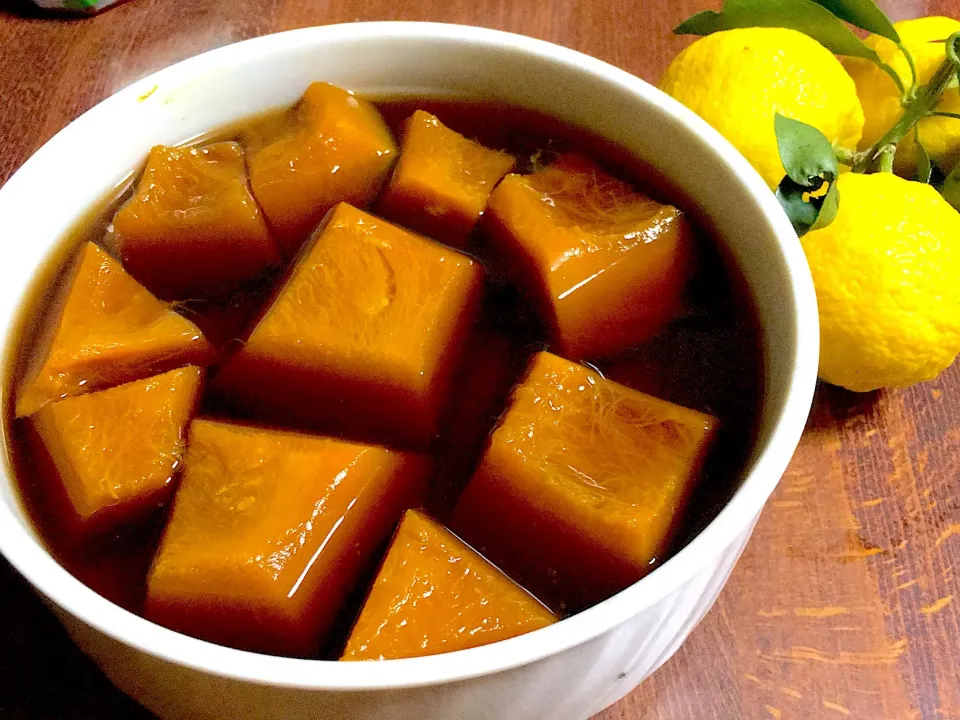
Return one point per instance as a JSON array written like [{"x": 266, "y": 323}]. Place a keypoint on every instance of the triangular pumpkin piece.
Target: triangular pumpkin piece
[
  {"x": 435, "y": 594},
  {"x": 117, "y": 451},
  {"x": 110, "y": 331}
]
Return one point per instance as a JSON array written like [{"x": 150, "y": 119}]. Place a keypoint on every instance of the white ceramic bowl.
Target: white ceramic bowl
[{"x": 569, "y": 670}]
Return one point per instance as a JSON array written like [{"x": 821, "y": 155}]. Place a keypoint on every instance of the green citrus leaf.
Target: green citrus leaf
[
  {"x": 805, "y": 152},
  {"x": 950, "y": 188},
  {"x": 810, "y": 162},
  {"x": 805, "y": 211},
  {"x": 828, "y": 207},
  {"x": 793, "y": 200},
  {"x": 924, "y": 168},
  {"x": 951, "y": 50},
  {"x": 806, "y": 16},
  {"x": 864, "y": 14}
]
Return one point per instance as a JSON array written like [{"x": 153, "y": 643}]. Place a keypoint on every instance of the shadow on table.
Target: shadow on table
[
  {"x": 43, "y": 676},
  {"x": 25, "y": 8},
  {"x": 832, "y": 406}
]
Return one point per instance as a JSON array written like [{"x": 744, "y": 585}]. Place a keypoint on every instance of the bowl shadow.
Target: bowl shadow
[{"x": 42, "y": 673}]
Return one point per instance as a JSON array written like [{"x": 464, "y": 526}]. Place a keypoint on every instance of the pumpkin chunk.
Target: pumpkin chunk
[
  {"x": 605, "y": 265},
  {"x": 442, "y": 181},
  {"x": 581, "y": 484},
  {"x": 270, "y": 532},
  {"x": 434, "y": 594},
  {"x": 338, "y": 149},
  {"x": 116, "y": 451},
  {"x": 362, "y": 338},
  {"x": 192, "y": 229},
  {"x": 110, "y": 331}
]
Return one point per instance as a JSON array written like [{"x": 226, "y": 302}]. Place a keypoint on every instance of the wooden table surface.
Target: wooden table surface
[{"x": 845, "y": 603}]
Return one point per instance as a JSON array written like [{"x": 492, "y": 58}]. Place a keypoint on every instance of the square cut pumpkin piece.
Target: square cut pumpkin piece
[
  {"x": 435, "y": 594},
  {"x": 116, "y": 452},
  {"x": 106, "y": 329},
  {"x": 442, "y": 181},
  {"x": 582, "y": 483},
  {"x": 270, "y": 532},
  {"x": 192, "y": 229},
  {"x": 362, "y": 339},
  {"x": 605, "y": 265},
  {"x": 337, "y": 148}
]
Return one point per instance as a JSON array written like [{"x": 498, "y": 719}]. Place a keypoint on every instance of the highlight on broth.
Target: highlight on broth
[{"x": 370, "y": 379}]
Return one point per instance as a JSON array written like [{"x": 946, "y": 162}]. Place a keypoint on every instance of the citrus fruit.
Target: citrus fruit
[
  {"x": 737, "y": 80},
  {"x": 880, "y": 98},
  {"x": 885, "y": 272}
]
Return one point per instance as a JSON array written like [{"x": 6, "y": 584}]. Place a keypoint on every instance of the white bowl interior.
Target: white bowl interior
[{"x": 77, "y": 167}]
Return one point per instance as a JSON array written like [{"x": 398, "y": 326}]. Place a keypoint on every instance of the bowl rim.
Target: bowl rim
[{"x": 33, "y": 561}]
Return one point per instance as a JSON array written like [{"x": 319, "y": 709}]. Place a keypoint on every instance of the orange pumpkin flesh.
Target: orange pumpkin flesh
[
  {"x": 581, "y": 484},
  {"x": 270, "y": 531},
  {"x": 363, "y": 337},
  {"x": 337, "y": 149},
  {"x": 442, "y": 181},
  {"x": 605, "y": 265},
  {"x": 434, "y": 594},
  {"x": 109, "y": 331},
  {"x": 116, "y": 452},
  {"x": 192, "y": 229}
]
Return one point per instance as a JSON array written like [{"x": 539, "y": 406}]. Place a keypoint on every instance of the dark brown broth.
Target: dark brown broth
[{"x": 710, "y": 359}]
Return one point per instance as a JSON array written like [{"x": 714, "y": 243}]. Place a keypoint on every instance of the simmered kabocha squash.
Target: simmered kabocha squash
[
  {"x": 297, "y": 342},
  {"x": 434, "y": 594},
  {"x": 363, "y": 337},
  {"x": 337, "y": 149},
  {"x": 116, "y": 452},
  {"x": 605, "y": 264},
  {"x": 108, "y": 330},
  {"x": 192, "y": 229},
  {"x": 442, "y": 181},
  {"x": 270, "y": 532},
  {"x": 581, "y": 484}
]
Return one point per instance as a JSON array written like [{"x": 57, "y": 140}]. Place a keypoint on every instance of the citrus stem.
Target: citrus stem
[
  {"x": 951, "y": 50},
  {"x": 908, "y": 56},
  {"x": 896, "y": 79},
  {"x": 846, "y": 157},
  {"x": 940, "y": 113},
  {"x": 886, "y": 158},
  {"x": 915, "y": 110}
]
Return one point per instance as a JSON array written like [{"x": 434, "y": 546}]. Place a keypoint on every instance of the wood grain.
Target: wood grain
[{"x": 846, "y": 603}]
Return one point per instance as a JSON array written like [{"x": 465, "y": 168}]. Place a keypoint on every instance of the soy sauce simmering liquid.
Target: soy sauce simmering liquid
[{"x": 709, "y": 359}]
